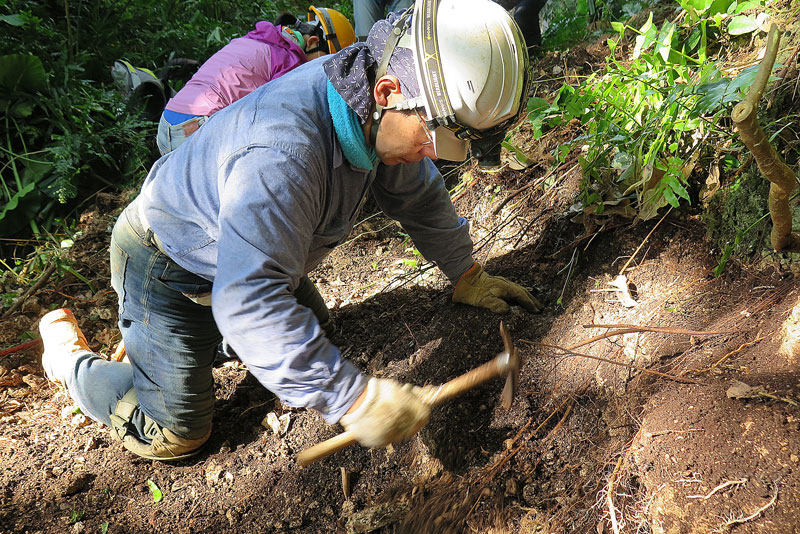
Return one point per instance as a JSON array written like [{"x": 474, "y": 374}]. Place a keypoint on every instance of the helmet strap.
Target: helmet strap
[{"x": 317, "y": 49}]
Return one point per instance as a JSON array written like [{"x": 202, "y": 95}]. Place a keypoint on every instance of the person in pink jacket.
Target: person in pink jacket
[{"x": 246, "y": 63}]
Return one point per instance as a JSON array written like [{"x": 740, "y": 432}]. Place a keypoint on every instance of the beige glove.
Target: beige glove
[
  {"x": 390, "y": 412},
  {"x": 477, "y": 288}
]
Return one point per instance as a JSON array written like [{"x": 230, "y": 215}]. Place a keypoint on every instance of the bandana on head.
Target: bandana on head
[{"x": 350, "y": 69}]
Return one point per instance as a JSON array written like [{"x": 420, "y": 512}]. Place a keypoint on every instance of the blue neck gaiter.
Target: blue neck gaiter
[{"x": 349, "y": 133}]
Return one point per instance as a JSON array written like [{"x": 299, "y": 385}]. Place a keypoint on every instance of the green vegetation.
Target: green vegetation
[
  {"x": 155, "y": 491},
  {"x": 651, "y": 120},
  {"x": 658, "y": 115},
  {"x": 65, "y": 132}
]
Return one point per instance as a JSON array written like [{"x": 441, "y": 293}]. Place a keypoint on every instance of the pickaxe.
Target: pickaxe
[{"x": 504, "y": 364}]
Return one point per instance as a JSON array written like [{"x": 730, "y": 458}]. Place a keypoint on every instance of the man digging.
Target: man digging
[{"x": 225, "y": 229}]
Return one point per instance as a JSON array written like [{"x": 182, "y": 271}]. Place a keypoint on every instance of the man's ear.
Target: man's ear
[
  {"x": 312, "y": 42},
  {"x": 385, "y": 87}
]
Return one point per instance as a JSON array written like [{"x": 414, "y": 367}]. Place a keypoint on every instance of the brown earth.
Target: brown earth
[{"x": 634, "y": 432}]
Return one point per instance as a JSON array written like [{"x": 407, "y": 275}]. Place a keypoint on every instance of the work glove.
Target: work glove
[
  {"x": 390, "y": 412},
  {"x": 477, "y": 288}
]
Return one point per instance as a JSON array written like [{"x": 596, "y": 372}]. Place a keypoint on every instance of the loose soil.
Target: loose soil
[{"x": 632, "y": 432}]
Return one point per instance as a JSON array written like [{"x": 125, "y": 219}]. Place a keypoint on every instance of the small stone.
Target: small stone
[
  {"x": 794, "y": 458},
  {"x": 278, "y": 425},
  {"x": 529, "y": 494},
  {"x": 213, "y": 473},
  {"x": 80, "y": 420}
]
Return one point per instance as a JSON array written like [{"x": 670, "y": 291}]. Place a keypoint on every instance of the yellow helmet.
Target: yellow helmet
[{"x": 337, "y": 30}]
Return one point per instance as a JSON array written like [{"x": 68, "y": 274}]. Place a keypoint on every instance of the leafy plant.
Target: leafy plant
[
  {"x": 647, "y": 117},
  {"x": 65, "y": 133}
]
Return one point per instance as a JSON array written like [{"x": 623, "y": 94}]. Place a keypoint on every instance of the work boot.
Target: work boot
[{"x": 61, "y": 338}]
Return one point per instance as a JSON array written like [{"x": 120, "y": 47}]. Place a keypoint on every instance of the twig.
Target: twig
[
  {"x": 345, "y": 483},
  {"x": 34, "y": 288},
  {"x": 496, "y": 468},
  {"x": 606, "y": 360},
  {"x": 610, "y": 496},
  {"x": 631, "y": 329},
  {"x": 622, "y": 271},
  {"x": 754, "y": 514},
  {"x": 662, "y": 329},
  {"x": 720, "y": 487},
  {"x": 584, "y": 238},
  {"x": 569, "y": 274},
  {"x": 535, "y": 431},
  {"x": 20, "y": 347},
  {"x": 742, "y": 346},
  {"x": 664, "y": 432},
  {"x": 253, "y": 407},
  {"x": 525, "y": 187}
]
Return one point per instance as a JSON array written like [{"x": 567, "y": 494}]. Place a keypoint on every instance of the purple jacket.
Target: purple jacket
[{"x": 241, "y": 66}]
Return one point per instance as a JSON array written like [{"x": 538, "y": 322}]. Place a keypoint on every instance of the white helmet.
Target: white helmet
[{"x": 472, "y": 69}]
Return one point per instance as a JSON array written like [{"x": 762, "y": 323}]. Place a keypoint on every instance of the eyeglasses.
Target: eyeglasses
[{"x": 425, "y": 128}]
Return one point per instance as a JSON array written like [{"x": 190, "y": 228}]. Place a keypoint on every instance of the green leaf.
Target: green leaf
[
  {"x": 742, "y": 24},
  {"x": 104, "y": 528},
  {"x": 744, "y": 6},
  {"x": 664, "y": 46},
  {"x": 154, "y": 491},
  {"x": 618, "y": 27},
  {"x": 536, "y": 104},
  {"x": 22, "y": 72},
  {"x": 14, "y": 201},
  {"x": 647, "y": 37},
  {"x": 13, "y": 20},
  {"x": 718, "y": 6},
  {"x": 518, "y": 153},
  {"x": 699, "y": 5},
  {"x": 670, "y": 197},
  {"x": 676, "y": 187}
]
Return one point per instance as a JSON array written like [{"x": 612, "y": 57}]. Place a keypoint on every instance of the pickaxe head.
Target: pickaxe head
[{"x": 513, "y": 365}]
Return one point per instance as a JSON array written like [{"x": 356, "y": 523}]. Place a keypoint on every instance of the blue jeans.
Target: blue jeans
[
  {"x": 368, "y": 12},
  {"x": 170, "y": 341},
  {"x": 170, "y": 336},
  {"x": 171, "y": 136}
]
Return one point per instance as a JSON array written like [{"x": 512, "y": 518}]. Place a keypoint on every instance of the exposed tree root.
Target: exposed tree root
[{"x": 782, "y": 178}]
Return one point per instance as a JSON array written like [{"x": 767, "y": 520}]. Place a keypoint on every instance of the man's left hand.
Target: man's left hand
[{"x": 477, "y": 288}]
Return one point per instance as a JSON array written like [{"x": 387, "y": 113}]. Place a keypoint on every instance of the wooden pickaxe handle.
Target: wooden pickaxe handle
[{"x": 504, "y": 363}]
